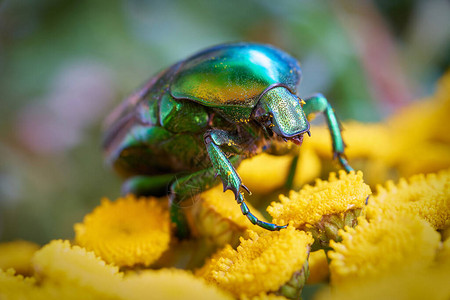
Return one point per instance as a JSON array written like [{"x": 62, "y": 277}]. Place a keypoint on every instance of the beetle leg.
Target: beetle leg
[
  {"x": 230, "y": 179},
  {"x": 319, "y": 104},
  {"x": 214, "y": 140},
  {"x": 184, "y": 188}
]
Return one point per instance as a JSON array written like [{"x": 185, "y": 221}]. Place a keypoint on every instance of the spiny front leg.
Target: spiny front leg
[
  {"x": 224, "y": 168},
  {"x": 319, "y": 104},
  {"x": 230, "y": 179}
]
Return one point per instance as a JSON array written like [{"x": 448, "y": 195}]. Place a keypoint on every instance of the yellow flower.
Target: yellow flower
[
  {"x": 258, "y": 173},
  {"x": 219, "y": 218},
  {"x": 366, "y": 140},
  {"x": 62, "y": 263},
  {"x": 424, "y": 283},
  {"x": 382, "y": 247},
  {"x": 420, "y": 133},
  {"x": 18, "y": 287},
  {"x": 308, "y": 167},
  {"x": 169, "y": 284},
  {"x": 266, "y": 173},
  {"x": 426, "y": 119},
  {"x": 425, "y": 196},
  {"x": 126, "y": 232},
  {"x": 423, "y": 158},
  {"x": 15, "y": 286},
  {"x": 264, "y": 296},
  {"x": 311, "y": 203},
  {"x": 262, "y": 263},
  {"x": 17, "y": 255},
  {"x": 318, "y": 267},
  {"x": 324, "y": 208}
]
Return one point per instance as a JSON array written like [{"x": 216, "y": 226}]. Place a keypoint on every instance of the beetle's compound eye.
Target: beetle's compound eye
[{"x": 260, "y": 113}]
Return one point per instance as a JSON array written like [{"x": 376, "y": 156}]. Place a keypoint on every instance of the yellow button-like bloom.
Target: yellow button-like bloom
[
  {"x": 262, "y": 263},
  {"x": 169, "y": 284},
  {"x": 14, "y": 286},
  {"x": 126, "y": 232},
  {"x": 264, "y": 296},
  {"x": 310, "y": 204},
  {"x": 220, "y": 219},
  {"x": 308, "y": 167},
  {"x": 257, "y": 173},
  {"x": 364, "y": 140},
  {"x": 266, "y": 173},
  {"x": 62, "y": 263},
  {"x": 17, "y": 255},
  {"x": 424, "y": 283},
  {"x": 426, "y": 196},
  {"x": 382, "y": 247},
  {"x": 325, "y": 207}
]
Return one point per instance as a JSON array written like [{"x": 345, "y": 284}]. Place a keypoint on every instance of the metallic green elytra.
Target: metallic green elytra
[{"x": 202, "y": 116}]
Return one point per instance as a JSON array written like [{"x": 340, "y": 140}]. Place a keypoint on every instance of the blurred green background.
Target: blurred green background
[{"x": 65, "y": 64}]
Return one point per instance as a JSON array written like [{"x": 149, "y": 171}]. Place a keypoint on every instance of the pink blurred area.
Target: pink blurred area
[{"x": 77, "y": 98}]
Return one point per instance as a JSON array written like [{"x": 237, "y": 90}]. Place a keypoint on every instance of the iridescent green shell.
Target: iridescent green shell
[{"x": 234, "y": 75}]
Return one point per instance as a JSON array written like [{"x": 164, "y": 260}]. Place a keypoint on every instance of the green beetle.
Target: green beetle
[{"x": 202, "y": 116}]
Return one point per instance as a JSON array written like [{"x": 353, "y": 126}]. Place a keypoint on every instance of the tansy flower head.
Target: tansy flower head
[
  {"x": 18, "y": 287},
  {"x": 126, "y": 232},
  {"x": 424, "y": 283},
  {"x": 425, "y": 196},
  {"x": 14, "y": 286},
  {"x": 258, "y": 172},
  {"x": 264, "y": 296},
  {"x": 383, "y": 247},
  {"x": 169, "y": 284},
  {"x": 262, "y": 263},
  {"x": 308, "y": 167},
  {"x": 17, "y": 255},
  {"x": 62, "y": 263},
  {"x": 218, "y": 218},
  {"x": 361, "y": 138},
  {"x": 325, "y": 207}
]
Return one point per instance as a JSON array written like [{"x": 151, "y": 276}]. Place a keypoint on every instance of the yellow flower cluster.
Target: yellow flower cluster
[
  {"x": 126, "y": 232},
  {"x": 311, "y": 203},
  {"x": 220, "y": 219},
  {"x": 382, "y": 247},
  {"x": 63, "y": 271},
  {"x": 262, "y": 263},
  {"x": 414, "y": 140},
  {"x": 427, "y": 283},
  {"x": 266, "y": 173},
  {"x": 424, "y": 196},
  {"x": 399, "y": 249}
]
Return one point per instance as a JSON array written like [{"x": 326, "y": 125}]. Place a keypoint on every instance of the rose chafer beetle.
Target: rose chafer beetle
[{"x": 202, "y": 116}]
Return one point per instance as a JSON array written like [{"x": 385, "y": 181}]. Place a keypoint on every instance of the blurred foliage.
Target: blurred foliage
[{"x": 64, "y": 64}]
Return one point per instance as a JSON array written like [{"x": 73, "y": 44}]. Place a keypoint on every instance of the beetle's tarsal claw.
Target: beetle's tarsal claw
[
  {"x": 309, "y": 133},
  {"x": 367, "y": 200},
  {"x": 246, "y": 188}
]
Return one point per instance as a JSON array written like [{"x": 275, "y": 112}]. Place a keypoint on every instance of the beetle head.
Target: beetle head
[{"x": 281, "y": 111}]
